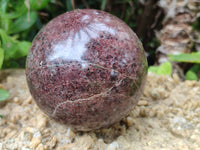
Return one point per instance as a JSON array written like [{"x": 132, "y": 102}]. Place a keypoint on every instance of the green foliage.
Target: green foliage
[
  {"x": 12, "y": 48},
  {"x": 69, "y": 5},
  {"x": 164, "y": 69},
  {"x": 4, "y": 95},
  {"x": 103, "y": 4},
  {"x": 192, "y": 73},
  {"x": 1, "y": 57},
  {"x": 196, "y": 25},
  {"x": 188, "y": 58},
  {"x": 38, "y": 4},
  {"x": 23, "y": 23},
  {"x": 16, "y": 21}
]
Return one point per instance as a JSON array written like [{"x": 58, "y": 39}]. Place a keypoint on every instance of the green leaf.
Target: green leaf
[
  {"x": 4, "y": 95},
  {"x": 10, "y": 50},
  {"x": 1, "y": 57},
  {"x": 3, "y": 5},
  {"x": 11, "y": 64},
  {"x": 23, "y": 48},
  {"x": 23, "y": 23},
  {"x": 103, "y": 4},
  {"x": 190, "y": 75},
  {"x": 164, "y": 69},
  {"x": 5, "y": 23},
  {"x": 1, "y": 116},
  {"x": 153, "y": 69},
  {"x": 16, "y": 49},
  {"x": 4, "y": 37},
  {"x": 15, "y": 14},
  {"x": 8, "y": 44},
  {"x": 38, "y": 4},
  {"x": 195, "y": 68},
  {"x": 16, "y": 9},
  {"x": 196, "y": 25},
  {"x": 13, "y": 49},
  {"x": 188, "y": 58},
  {"x": 69, "y": 5}
]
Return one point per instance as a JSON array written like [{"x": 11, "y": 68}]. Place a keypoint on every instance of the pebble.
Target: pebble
[
  {"x": 1, "y": 146},
  {"x": 31, "y": 130},
  {"x": 129, "y": 121},
  {"x": 16, "y": 100},
  {"x": 190, "y": 83},
  {"x": 35, "y": 142},
  {"x": 85, "y": 141},
  {"x": 113, "y": 146},
  {"x": 27, "y": 101},
  {"x": 26, "y": 136},
  {"x": 52, "y": 142},
  {"x": 37, "y": 134},
  {"x": 176, "y": 78},
  {"x": 70, "y": 133},
  {"x": 143, "y": 103},
  {"x": 15, "y": 118},
  {"x": 100, "y": 144},
  {"x": 41, "y": 121},
  {"x": 41, "y": 147}
]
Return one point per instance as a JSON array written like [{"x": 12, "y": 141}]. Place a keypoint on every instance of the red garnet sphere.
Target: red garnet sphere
[{"x": 86, "y": 68}]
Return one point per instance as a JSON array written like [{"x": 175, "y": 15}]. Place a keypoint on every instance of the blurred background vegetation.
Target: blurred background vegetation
[{"x": 20, "y": 20}]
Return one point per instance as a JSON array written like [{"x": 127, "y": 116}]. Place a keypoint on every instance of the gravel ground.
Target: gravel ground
[{"x": 166, "y": 117}]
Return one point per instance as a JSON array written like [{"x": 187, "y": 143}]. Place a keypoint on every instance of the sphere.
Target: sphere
[{"x": 86, "y": 68}]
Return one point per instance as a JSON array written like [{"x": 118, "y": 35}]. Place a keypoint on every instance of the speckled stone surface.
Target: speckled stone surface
[{"x": 86, "y": 68}]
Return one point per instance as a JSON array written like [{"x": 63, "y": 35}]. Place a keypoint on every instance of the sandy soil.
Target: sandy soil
[{"x": 166, "y": 117}]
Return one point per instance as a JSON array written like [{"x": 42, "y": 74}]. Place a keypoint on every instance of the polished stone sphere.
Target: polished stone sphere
[{"x": 86, "y": 68}]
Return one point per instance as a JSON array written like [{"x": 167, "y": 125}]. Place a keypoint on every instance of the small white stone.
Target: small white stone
[
  {"x": 41, "y": 121},
  {"x": 143, "y": 103},
  {"x": 130, "y": 121},
  {"x": 1, "y": 146},
  {"x": 37, "y": 134},
  {"x": 16, "y": 100},
  {"x": 25, "y": 148},
  {"x": 113, "y": 146}
]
